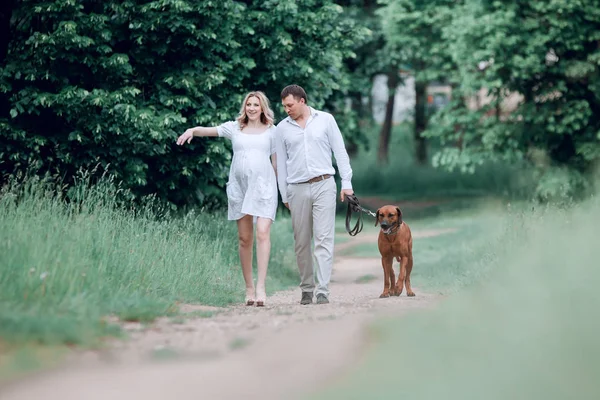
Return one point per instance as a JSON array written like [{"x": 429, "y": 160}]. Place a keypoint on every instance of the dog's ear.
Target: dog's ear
[
  {"x": 377, "y": 218},
  {"x": 399, "y": 215}
]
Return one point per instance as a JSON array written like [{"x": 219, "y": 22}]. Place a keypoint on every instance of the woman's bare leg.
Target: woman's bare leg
[
  {"x": 263, "y": 250},
  {"x": 245, "y": 238}
]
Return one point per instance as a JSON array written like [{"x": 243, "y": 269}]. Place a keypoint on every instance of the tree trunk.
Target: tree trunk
[
  {"x": 386, "y": 129},
  {"x": 420, "y": 122}
]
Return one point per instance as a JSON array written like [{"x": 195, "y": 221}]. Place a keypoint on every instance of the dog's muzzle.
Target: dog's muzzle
[{"x": 388, "y": 228}]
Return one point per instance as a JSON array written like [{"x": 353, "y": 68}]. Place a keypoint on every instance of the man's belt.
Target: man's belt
[{"x": 316, "y": 179}]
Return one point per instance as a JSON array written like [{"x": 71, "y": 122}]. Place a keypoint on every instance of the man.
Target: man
[{"x": 304, "y": 144}]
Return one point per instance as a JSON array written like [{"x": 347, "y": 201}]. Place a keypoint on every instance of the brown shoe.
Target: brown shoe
[{"x": 307, "y": 298}]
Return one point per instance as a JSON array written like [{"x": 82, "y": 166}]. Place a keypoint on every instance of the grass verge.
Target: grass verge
[
  {"x": 524, "y": 326},
  {"x": 64, "y": 266}
]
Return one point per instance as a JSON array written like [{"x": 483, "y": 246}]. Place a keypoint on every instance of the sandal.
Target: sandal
[
  {"x": 261, "y": 298},
  {"x": 249, "y": 297}
]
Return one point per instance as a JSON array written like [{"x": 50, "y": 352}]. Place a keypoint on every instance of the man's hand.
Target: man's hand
[
  {"x": 287, "y": 205},
  {"x": 344, "y": 193}
]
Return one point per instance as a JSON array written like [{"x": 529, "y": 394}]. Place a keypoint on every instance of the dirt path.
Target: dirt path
[{"x": 265, "y": 353}]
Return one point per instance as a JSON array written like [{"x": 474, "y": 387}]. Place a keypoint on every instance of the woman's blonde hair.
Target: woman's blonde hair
[{"x": 266, "y": 117}]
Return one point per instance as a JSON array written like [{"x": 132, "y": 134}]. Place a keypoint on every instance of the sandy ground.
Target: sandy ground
[{"x": 283, "y": 350}]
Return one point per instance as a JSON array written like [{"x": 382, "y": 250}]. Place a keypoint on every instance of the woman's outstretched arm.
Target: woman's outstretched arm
[{"x": 189, "y": 134}]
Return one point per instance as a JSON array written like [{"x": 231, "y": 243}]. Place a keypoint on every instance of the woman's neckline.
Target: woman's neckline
[{"x": 255, "y": 134}]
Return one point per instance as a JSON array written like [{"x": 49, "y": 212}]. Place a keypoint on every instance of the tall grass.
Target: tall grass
[
  {"x": 526, "y": 327},
  {"x": 403, "y": 178},
  {"x": 65, "y": 265}
]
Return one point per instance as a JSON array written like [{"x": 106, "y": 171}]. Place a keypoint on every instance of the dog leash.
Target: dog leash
[{"x": 354, "y": 206}]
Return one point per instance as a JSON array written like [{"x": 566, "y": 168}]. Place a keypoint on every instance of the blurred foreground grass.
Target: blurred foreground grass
[{"x": 524, "y": 326}]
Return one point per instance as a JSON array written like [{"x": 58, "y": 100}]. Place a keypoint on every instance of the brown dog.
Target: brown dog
[{"x": 395, "y": 241}]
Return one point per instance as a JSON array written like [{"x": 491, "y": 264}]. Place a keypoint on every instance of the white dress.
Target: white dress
[{"x": 252, "y": 186}]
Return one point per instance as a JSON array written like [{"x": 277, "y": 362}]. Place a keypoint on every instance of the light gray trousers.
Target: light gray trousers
[{"x": 312, "y": 206}]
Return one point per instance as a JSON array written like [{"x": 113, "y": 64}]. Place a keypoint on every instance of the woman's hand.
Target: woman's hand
[{"x": 187, "y": 136}]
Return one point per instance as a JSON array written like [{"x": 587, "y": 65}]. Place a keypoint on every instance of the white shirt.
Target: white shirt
[{"x": 303, "y": 154}]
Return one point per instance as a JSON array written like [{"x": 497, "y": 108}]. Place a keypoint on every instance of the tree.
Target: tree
[
  {"x": 311, "y": 45},
  {"x": 362, "y": 68},
  {"x": 373, "y": 57},
  {"x": 113, "y": 83},
  {"x": 547, "y": 54},
  {"x": 414, "y": 29}
]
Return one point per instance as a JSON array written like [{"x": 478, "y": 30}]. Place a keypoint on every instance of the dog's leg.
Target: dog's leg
[
  {"x": 393, "y": 288},
  {"x": 401, "y": 276},
  {"x": 386, "y": 263},
  {"x": 409, "y": 266}
]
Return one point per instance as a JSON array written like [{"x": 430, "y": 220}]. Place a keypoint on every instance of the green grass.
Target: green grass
[
  {"x": 164, "y": 354},
  {"x": 238, "y": 343},
  {"x": 403, "y": 179},
  {"x": 523, "y": 326},
  {"x": 18, "y": 361},
  {"x": 65, "y": 266},
  {"x": 366, "y": 278},
  {"x": 201, "y": 314}
]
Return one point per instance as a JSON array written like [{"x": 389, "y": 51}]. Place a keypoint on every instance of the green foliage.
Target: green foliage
[
  {"x": 413, "y": 30},
  {"x": 113, "y": 83},
  {"x": 403, "y": 178},
  {"x": 545, "y": 52},
  {"x": 309, "y": 43},
  {"x": 558, "y": 184},
  {"x": 371, "y": 58}
]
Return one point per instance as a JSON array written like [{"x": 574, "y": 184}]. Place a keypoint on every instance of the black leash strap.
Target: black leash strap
[{"x": 354, "y": 206}]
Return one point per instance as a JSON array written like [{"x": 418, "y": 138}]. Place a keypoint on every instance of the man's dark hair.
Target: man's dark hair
[{"x": 295, "y": 91}]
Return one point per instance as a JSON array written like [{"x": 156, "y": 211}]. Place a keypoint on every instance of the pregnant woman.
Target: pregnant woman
[{"x": 252, "y": 186}]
